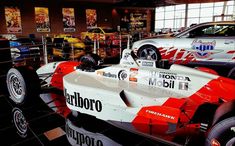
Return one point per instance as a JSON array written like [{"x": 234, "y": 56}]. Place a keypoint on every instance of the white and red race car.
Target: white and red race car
[{"x": 162, "y": 101}]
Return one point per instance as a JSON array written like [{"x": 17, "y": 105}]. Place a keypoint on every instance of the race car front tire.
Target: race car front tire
[
  {"x": 222, "y": 134},
  {"x": 22, "y": 83}
]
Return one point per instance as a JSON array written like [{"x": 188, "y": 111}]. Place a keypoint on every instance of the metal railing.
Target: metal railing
[{"x": 44, "y": 54}]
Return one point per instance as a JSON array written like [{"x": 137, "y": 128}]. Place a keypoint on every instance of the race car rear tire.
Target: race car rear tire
[
  {"x": 149, "y": 52},
  {"x": 223, "y": 133},
  {"x": 22, "y": 83},
  {"x": 231, "y": 73}
]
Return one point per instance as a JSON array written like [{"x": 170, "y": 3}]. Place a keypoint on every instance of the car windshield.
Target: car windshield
[
  {"x": 210, "y": 30},
  {"x": 225, "y": 30}
]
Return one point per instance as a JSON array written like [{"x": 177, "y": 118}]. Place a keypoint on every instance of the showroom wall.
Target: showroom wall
[{"x": 106, "y": 15}]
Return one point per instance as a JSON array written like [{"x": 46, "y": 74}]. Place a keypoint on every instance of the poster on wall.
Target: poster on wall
[
  {"x": 91, "y": 18},
  {"x": 42, "y": 19},
  {"x": 68, "y": 19},
  {"x": 13, "y": 20}
]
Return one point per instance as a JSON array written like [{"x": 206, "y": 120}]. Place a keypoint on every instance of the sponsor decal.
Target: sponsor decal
[
  {"x": 133, "y": 74},
  {"x": 126, "y": 55},
  {"x": 159, "y": 83},
  {"x": 160, "y": 114},
  {"x": 122, "y": 75},
  {"x": 173, "y": 76},
  {"x": 168, "y": 80},
  {"x": 147, "y": 63},
  {"x": 86, "y": 103},
  {"x": 82, "y": 139},
  {"x": 106, "y": 74},
  {"x": 183, "y": 85},
  {"x": 203, "y": 49}
]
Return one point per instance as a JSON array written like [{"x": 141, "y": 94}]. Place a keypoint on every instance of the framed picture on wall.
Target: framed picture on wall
[
  {"x": 68, "y": 19},
  {"x": 42, "y": 19},
  {"x": 13, "y": 20},
  {"x": 91, "y": 18}
]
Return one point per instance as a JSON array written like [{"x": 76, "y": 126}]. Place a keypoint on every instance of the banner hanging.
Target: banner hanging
[
  {"x": 13, "y": 20},
  {"x": 42, "y": 19}
]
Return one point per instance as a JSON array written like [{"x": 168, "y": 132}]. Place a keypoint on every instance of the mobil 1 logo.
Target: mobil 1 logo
[{"x": 169, "y": 80}]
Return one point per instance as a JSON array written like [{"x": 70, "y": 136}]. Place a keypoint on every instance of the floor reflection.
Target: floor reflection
[{"x": 48, "y": 121}]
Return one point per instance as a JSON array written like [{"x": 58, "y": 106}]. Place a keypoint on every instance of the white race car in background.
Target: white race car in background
[
  {"x": 205, "y": 44},
  {"x": 168, "y": 102}
]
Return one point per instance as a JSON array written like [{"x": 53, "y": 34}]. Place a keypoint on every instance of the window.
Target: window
[
  {"x": 197, "y": 13},
  {"x": 169, "y": 17},
  {"x": 193, "y": 13}
]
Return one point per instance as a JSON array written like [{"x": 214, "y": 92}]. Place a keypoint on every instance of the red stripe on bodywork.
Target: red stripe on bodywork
[
  {"x": 231, "y": 52},
  {"x": 178, "y": 111},
  {"x": 61, "y": 70}
]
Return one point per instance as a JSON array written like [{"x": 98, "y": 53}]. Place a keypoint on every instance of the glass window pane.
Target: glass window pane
[
  {"x": 159, "y": 15},
  {"x": 169, "y": 23},
  {"x": 169, "y": 15},
  {"x": 206, "y": 5},
  {"x": 169, "y": 8},
  {"x": 193, "y": 13},
  {"x": 229, "y": 10},
  {"x": 180, "y": 7},
  {"x": 179, "y": 23},
  {"x": 159, "y": 24},
  {"x": 160, "y": 9},
  {"x": 218, "y": 10},
  {"x": 205, "y": 19},
  {"x": 192, "y": 21},
  {"x": 206, "y": 12},
  {"x": 228, "y": 18},
  {"x": 231, "y": 2},
  {"x": 190, "y": 6},
  {"x": 219, "y": 3},
  {"x": 180, "y": 14}
]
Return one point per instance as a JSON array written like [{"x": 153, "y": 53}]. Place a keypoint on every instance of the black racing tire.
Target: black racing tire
[
  {"x": 22, "y": 83},
  {"x": 222, "y": 133},
  {"x": 149, "y": 52},
  {"x": 231, "y": 73}
]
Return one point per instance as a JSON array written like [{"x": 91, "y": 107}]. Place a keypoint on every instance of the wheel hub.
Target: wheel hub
[
  {"x": 16, "y": 85},
  {"x": 20, "y": 122}
]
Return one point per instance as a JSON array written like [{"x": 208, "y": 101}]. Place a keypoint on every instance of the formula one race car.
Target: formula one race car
[{"x": 168, "y": 102}]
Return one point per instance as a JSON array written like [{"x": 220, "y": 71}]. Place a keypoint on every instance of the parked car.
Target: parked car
[
  {"x": 167, "y": 102},
  {"x": 105, "y": 35},
  {"x": 68, "y": 47},
  {"x": 211, "y": 43}
]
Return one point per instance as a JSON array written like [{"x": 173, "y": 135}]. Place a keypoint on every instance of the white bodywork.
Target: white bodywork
[{"x": 118, "y": 92}]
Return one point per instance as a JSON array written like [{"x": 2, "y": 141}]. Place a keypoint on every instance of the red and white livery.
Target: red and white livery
[{"x": 161, "y": 101}]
